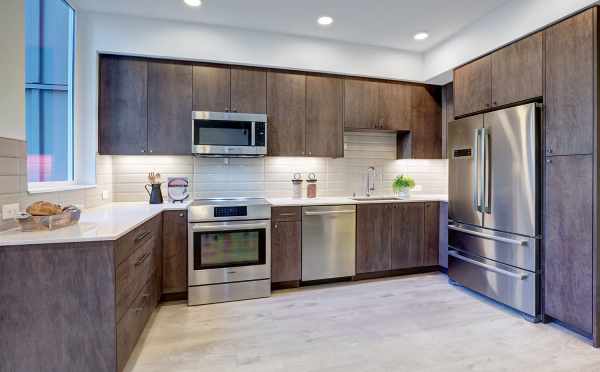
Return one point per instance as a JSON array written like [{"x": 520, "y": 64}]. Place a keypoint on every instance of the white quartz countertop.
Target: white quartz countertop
[
  {"x": 291, "y": 202},
  {"x": 112, "y": 221},
  {"x": 108, "y": 222}
]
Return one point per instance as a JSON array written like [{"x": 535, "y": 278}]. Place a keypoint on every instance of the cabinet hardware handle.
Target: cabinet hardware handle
[
  {"x": 550, "y": 150},
  {"x": 180, "y": 214},
  {"x": 495, "y": 103},
  {"x": 141, "y": 236},
  {"x": 287, "y": 214},
  {"x": 142, "y": 259},
  {"x": 226, "y": 109},
  {"x": 143, "y": 150},
  {"x": 234, "y": 110},
  {"x": 151, "y": 151},
  {"x": 549, "y": 161},
  {"x": 276, "y": 226}
]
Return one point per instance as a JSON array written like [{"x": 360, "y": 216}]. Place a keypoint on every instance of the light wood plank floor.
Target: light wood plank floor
[{"x": 414, "y": 323}]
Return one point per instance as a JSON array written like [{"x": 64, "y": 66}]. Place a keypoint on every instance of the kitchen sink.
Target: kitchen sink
[{"x": 375, "y": 198}]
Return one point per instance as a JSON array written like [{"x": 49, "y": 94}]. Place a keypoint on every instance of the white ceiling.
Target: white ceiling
[{"x": 385, "y": 23}]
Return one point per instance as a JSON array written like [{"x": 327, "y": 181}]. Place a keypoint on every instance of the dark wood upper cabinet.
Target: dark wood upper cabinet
[
  {"x": 517, "y": 73},
  {"x": 570, "y": 85},
  {"x": 212, "y": 88},
  {"x": 407, "y": 235},
  {"x": 373, "y": 238},
  {"x": 448, "y": 115},
  {"x": 123, "y": 106},
  {"x": 175, "y": 251},
  {"x": 248, "y": 90},
  {"x": 285, "y": 251},
  {"x": 324, "y": 116},
  {"x": 394, "y": 106},
  {"x": 426, "y": 123},
  {"x": 431, "y": 241},
  {"x": 473, "y": 87},
  {"x": 286, "y": 108},
  {"x": 169, "y": 108},
  {"x": 569, "y": 246},
  {"x": 361, "y": 104}
]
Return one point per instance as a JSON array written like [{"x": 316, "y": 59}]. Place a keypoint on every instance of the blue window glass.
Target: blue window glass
[{"x": 49, "y": 59}]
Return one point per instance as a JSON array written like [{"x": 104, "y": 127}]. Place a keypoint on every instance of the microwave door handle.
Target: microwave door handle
[{"x": 253, "y": 134}]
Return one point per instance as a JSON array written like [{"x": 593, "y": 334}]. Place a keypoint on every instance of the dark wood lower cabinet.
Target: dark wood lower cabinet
[
  {"x": 373, "y": 238},
  {"x": 568, "y": 246},
  {"x": 286, "y": 235},
  {"x": 175, "y": 252},
  {"x": 431, "y": 239},
  {"x": 407, "y": 235}
]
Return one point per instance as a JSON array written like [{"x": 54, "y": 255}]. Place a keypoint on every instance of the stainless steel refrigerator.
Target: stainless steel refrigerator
[{"x": 494, "y": 205}]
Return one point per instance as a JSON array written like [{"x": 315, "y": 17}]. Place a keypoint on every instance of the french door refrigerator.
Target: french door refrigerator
[{"x": 494, "y": 205}]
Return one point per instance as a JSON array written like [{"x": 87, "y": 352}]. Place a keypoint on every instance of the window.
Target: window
[{"x": 49, "y": 61}]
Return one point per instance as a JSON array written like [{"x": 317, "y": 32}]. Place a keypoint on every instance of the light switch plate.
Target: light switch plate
[{"x": 9, "y": 211}]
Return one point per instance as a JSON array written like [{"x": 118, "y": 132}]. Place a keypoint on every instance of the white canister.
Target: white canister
[{"x": 297, "y": 186}]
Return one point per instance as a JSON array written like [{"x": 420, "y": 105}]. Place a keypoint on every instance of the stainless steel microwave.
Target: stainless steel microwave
[{"x": 229, "y": 134}]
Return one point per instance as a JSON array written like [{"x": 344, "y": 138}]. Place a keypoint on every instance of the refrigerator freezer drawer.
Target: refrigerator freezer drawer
[
  {"x": 513, "y": 250},
  {"x": 508, "y": 285}
]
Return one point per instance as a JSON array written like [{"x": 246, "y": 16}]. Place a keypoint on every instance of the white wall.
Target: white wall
[
  {"x": 12, "y": 69},
  {"x": 509, "y": 22}
]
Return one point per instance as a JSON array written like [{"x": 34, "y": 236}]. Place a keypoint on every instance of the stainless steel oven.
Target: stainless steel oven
[
  {"x": 229, "y": 134},
  {"x": 229, "y": 250}
]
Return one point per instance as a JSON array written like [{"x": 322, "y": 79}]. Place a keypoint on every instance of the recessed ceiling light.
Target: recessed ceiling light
[
  {"x": 325, "y": 20},
  {"x": 193, "y": 2},
  {"x": 421, "y": 36}
]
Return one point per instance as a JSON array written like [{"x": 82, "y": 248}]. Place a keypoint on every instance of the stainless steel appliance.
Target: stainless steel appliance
[
  {"x": 494, "y": 204},
  {"x": 229, "y": 134},
  {"x": 328, "y": 242},
  {"x": 229, "y": 250}
]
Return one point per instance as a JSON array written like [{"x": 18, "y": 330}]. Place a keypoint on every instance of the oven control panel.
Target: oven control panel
[{"x": 230, "y": 211}]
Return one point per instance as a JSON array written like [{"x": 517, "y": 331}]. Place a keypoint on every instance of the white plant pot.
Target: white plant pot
[{"x": 403, "y": 193}]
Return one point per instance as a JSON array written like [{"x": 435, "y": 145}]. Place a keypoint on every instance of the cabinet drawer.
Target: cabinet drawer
[
  {"x": 126, "y": 245},
  {"x": 130, "y": 327},
  {"x": 132, "y": 274},
  {"x": 285, "y": 214}
]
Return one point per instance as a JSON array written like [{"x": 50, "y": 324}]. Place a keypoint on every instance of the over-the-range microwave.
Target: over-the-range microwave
[{"x": 229, "y": 134}]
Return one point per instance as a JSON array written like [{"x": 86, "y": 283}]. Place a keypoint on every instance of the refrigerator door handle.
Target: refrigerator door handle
[
  {"x": 476, "y": 196},
  {"x": 497, "y": 270},
  {"x": 484, "y": 167},
  {"x": 487, "y": 236}
]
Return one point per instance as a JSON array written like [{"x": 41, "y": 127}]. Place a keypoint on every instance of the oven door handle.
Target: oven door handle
[{"x": 229, "y": 227}]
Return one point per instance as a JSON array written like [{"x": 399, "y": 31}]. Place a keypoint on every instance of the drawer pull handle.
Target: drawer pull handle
[
  {"x": 287, "y": 214},
  {"x": 141, "y": 236},
  {"x": 486, "y": 236},
  {"x": 487, "y": 267},
  {"x": 142, "y": 259}
]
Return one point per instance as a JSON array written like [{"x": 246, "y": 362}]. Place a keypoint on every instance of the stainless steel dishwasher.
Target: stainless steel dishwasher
[{"x": 328, "y": 242}]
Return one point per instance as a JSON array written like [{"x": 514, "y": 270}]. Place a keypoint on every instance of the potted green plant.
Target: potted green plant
[{"x": 402, "y": 185}]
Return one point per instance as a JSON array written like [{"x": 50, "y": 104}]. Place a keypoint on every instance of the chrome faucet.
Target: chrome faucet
[{"x": 370, "y": 180}]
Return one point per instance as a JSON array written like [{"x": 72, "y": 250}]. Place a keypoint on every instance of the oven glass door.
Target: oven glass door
[
  {"x": 232, "y": 248},
  {"x": 229, "y": 251}
]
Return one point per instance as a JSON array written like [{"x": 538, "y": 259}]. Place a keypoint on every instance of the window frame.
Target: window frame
[{"x": 72, "y": 181}]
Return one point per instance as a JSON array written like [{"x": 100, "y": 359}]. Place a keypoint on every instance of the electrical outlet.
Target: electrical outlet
[
  {"x": 104, "y": 194},
  {"x": 9, "y": 211}
]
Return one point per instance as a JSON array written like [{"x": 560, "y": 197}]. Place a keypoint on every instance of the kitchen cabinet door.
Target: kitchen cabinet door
[
  {"x": 175, "y": 252},
  {"x": 517, "y": 71},
  {"x": 286, "y": 107},
  {"x": 568, "y": 236},
  {"x": 373, "y": 237},
  {"x": 448, "y": 114},
  {"x": 431, "y": 236},
  {"x": 426, "y": 123},
  {"x": 407, "y": 235},
  {"x": 361, "y": 104},
  {"x": 248, "y": 90},
  {"x": 169, "y": 108},
  {"x": 570, "y": 96},
  {"x": 324, "y": 116},
  {"x": 212, "y": 88},
  {"x": 285, "y": 251},
  {"x": 473, "y": 87},
  {"x": 123, "y": 106},
  {"x": 394, "y": 106}
]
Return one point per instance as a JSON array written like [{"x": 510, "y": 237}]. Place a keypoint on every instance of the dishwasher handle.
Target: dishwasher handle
[{"x": 329, "y": 213}]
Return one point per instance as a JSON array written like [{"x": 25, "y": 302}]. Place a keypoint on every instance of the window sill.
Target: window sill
[{"x": 56, "y": 188}]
